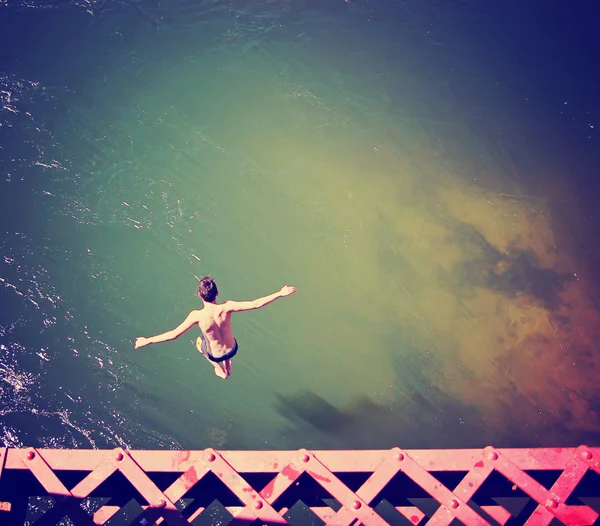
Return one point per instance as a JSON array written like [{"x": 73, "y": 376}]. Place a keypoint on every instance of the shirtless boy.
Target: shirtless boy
[{"x": 218, "y": 345}]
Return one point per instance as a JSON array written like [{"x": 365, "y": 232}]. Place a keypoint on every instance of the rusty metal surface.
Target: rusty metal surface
[{"x": 379, "y": 487}]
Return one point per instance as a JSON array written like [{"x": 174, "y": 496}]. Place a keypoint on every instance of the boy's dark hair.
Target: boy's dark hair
[{"x": 207, "y": 289}]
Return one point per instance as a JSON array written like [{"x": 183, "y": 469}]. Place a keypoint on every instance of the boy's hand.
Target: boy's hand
[
  {"x": 286, "y": 290},
  {"x": 141, "y": 342}
]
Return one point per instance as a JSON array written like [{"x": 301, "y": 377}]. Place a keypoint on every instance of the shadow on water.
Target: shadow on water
[
  {"x": 440, "y": 402},
  {"x": 424, "y": 423}
]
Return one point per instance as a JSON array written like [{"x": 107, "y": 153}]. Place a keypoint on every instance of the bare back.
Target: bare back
[{"x": 214, "y": 321}]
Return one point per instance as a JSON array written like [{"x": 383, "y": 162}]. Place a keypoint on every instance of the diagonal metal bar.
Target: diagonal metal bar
[
  {"x": 582, "y": 516},
  {"x": 560, "y": 492},
  {"x": 281, "y": 482},
  {"x": 147, "y": 489},
  {"x": 186, "y": 481},
  {"x": 105, "y": 468},
  {"x": 64, "y": 502},
  {"x": 591, "y": 459},
  {"x": 177, "y": 490},
  {"x": 44, "y": 474},
  {"x": 454, "y": 504},
  {"x": 359, "y": 509},
  {"x": 256, "y": 507},
  {"x": 382, "y": 475},
  {"x": 284, "y": 479},
  {"x": 465, "y": 490}
]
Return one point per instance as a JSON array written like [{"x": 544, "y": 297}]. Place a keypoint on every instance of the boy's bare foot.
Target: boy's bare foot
[{"x": 220, "y": 372}]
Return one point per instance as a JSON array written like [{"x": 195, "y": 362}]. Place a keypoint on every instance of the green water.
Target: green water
[{"x": 437, "y": 303}]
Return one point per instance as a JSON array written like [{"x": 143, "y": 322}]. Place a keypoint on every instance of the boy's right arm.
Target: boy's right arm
[
  {"x": 238, "y": 306},
  {"x": 186, "y": 324}
]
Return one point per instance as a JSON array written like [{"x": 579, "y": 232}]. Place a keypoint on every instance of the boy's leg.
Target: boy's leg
[{"x": 220, "y": 371}]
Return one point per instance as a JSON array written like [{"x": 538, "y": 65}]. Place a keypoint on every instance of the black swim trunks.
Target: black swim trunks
[{"x": 218, "y": 359}]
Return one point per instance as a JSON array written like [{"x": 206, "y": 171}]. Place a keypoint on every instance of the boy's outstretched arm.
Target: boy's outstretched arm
[
  {"x": 186, "y": 324},
  {"x": 238, "y": 306}
]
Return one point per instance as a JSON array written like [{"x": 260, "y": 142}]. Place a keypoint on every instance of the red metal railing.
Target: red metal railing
[{"x": 435, "y": 487}]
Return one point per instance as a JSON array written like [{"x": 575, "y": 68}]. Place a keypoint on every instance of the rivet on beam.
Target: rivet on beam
[
  {"x": 491, "y": 453},
  {"x": 398, "y": 455}
]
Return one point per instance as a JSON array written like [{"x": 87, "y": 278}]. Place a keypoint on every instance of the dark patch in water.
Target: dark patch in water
[{"x": 513, "y": 272}]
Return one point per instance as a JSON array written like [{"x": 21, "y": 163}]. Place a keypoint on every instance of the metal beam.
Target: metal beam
[{"x": 437, "y": 487}]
